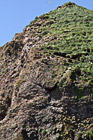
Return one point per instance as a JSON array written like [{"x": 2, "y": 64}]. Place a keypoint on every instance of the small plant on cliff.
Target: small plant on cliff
[
  {"x": 43, "y": 132},
  {"x": 89, "y": 135},
  {"x": 79, "y": 136}
]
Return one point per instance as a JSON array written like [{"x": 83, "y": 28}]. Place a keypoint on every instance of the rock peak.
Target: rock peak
[{"x": 46, "y": 78}]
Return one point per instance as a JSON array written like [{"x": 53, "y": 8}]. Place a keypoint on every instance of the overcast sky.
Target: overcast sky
[{"x": 16, "y": 14}]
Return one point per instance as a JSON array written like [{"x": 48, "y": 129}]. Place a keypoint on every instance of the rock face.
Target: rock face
[{"x": 46, "y": 78}]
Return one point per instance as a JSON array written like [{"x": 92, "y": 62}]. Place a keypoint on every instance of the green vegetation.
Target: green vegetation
[
  {"x": 79, "y": 137},
  {"x": 89, "y": 135},
  {"x": 43, "y": 132},
  {"x": 69, "y": 31}
]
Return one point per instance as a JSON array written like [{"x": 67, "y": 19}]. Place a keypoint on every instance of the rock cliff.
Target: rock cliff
[{"x": 46, "y": 78}]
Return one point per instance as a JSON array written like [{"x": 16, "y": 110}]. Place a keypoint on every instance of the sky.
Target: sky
[{"x": 16, "y": 14}]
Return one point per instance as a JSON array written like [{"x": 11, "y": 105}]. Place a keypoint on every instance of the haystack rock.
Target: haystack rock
[{"x": 46, "y": 78}]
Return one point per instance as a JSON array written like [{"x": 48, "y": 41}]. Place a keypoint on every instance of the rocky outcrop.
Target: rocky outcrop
[{"x": 46, "y": 78}]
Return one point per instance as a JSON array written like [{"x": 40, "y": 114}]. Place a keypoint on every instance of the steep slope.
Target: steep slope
[{"x": 46, "y": 78}]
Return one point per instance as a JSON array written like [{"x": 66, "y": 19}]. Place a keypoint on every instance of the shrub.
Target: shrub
[{"x": 79, "y": 136}]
